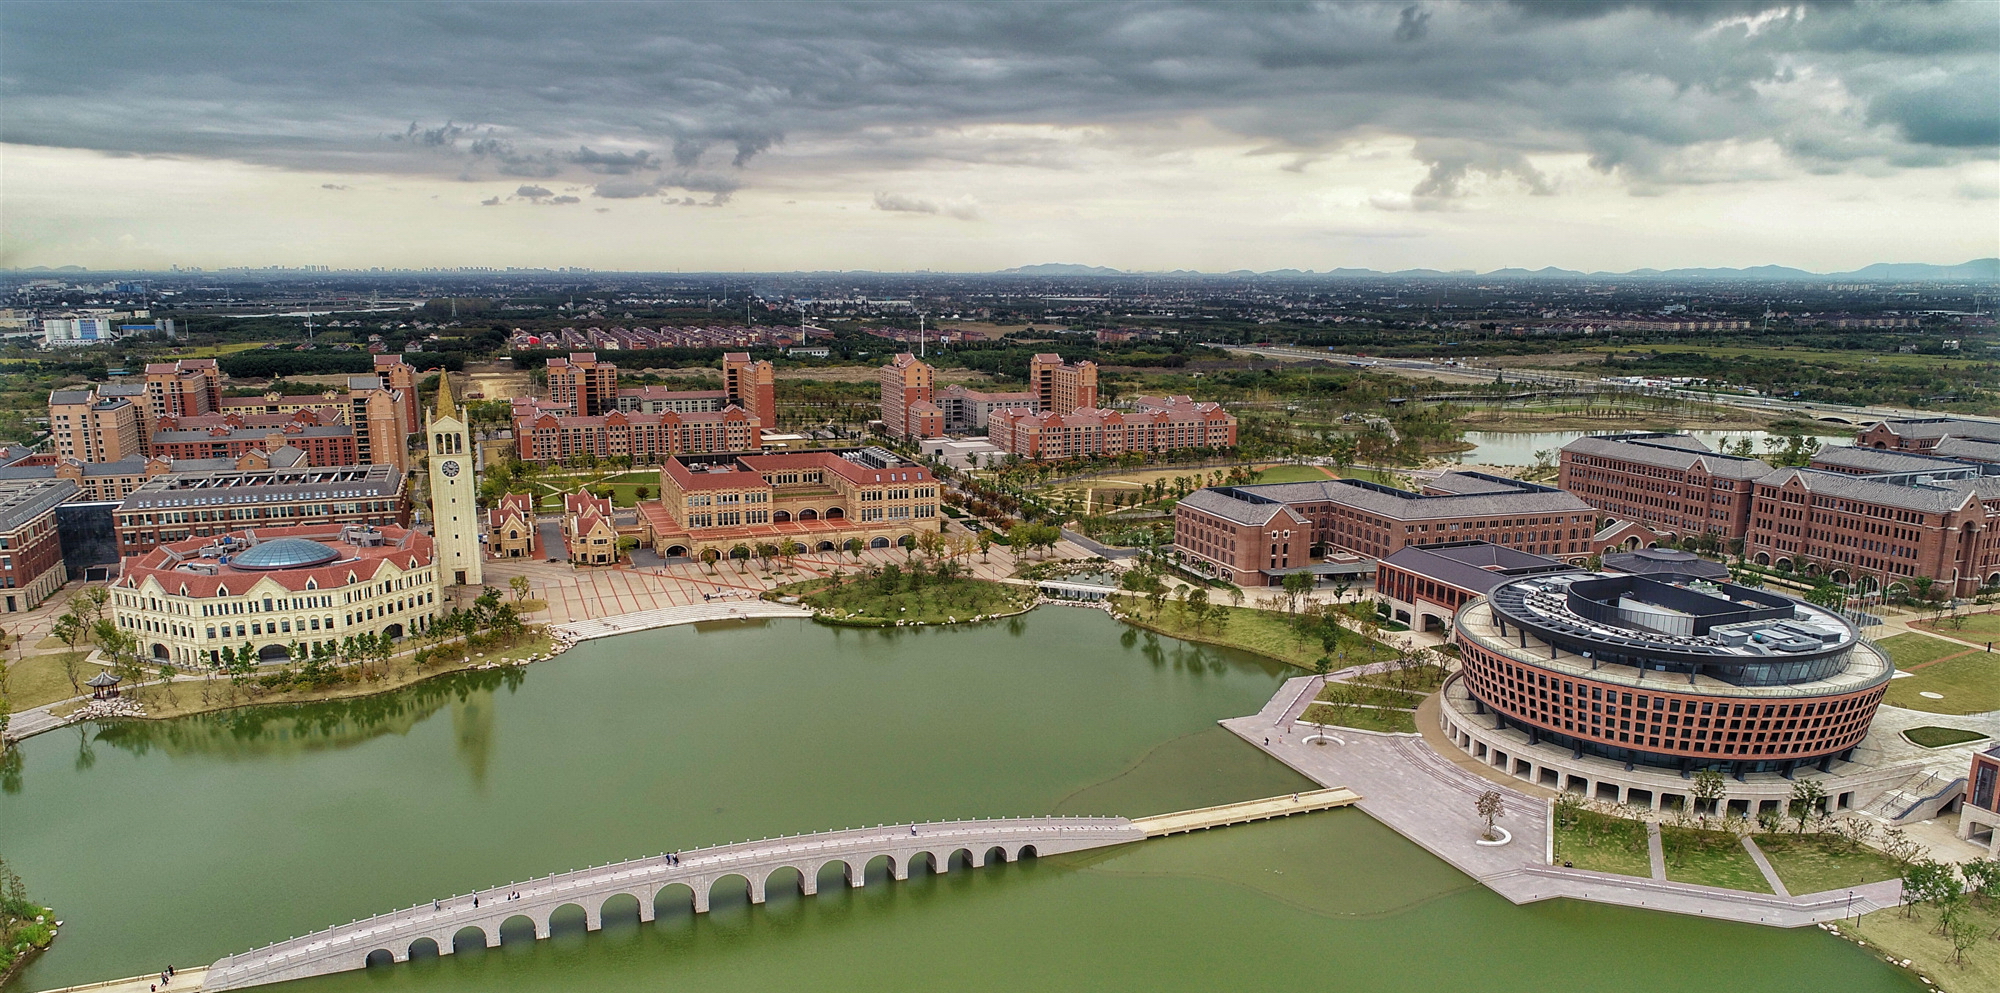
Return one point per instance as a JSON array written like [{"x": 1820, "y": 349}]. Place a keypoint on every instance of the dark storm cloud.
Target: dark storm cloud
[{"x": 709, "y": 89}]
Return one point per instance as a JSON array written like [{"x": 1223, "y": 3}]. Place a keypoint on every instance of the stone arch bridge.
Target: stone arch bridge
[{"x": 479, "y": 916}]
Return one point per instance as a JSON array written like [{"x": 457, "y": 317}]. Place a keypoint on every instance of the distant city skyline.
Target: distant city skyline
[{"x": 973, "y": 138}]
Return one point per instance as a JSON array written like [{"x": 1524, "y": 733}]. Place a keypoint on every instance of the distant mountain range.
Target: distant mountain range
[{"x": 1984, "y": 270}]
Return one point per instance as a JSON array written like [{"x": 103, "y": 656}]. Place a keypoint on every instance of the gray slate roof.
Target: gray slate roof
[
  {"x": 1403, "y": 505},
  {"x": 1942, "y": 427},
  {"x": 1881, "y": 459},
  {"x": 1473, "y": 565},
  {"x": 1668, "y": 452},
  {"x": 1940, "y": 497},
  {"x": 1232, "y": 508},
  {"x": 1975, "y": 449},
  {"x": 24, "y": 500},
  {"x": 252, "y": 486},
  {"x": 1672, "y": 561}
]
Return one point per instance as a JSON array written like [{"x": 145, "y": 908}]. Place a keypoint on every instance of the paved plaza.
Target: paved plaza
[{"x": 1428, "y": 798}]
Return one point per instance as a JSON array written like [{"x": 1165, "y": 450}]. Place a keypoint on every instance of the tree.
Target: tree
[
  {"x": 789, "y": 550},
  {"x": 1490, "y": 806},
  {"x": 1826, "y": 594},
  {"x": 985, "y": 543},
  {"x": 1197, "y": 605},
  {"x": 1806, "y": 797},
  {"x": 709, "y": 557},
  {"x": 519, "y": 584},
  {"x": 1709, "y": 789},
  {"x": 1296, "y": 585}
]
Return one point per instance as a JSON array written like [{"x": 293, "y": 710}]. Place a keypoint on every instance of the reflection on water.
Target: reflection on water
[{"x": 258, "y": 732}]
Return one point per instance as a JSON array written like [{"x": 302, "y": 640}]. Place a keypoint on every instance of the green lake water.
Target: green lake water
[{"x": 181, "y": 841}]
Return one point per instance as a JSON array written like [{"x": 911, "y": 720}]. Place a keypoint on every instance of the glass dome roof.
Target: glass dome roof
[{"x": 284, "y": 553}]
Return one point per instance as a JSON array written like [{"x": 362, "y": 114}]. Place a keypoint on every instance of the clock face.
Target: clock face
[{"x": 450, "y": 468}]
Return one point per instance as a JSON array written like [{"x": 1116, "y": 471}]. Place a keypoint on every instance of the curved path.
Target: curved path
[{"x": 390, "y": 937}]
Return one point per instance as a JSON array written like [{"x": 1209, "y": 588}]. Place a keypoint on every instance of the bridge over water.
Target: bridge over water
[{"x": 479, "y": 916}]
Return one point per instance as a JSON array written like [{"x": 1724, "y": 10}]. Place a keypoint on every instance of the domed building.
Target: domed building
[{"x": 272, "y": 588}]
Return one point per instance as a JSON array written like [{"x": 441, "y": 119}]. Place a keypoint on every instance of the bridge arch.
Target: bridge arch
[
  {"x": 422, "y": 948},
  {"x": 848, "y": 874},
  {"x": 722, "y": 884},
  {"x": 620, "y": 908},
  {"x": 470, "y": 936},
  {"x": 971, "y": 860},
  {"x": 997, "y": 854},
  {"x": 674, "y": 898},
  {"x": 891, "y": 866},
  {"x": 569, "y": 918},
  {"x": 925, "y": 862},
  {"x": 784, "y": 878},
  {"x": 1027, "y": 852},
  {"x": 518, "y": 928}
]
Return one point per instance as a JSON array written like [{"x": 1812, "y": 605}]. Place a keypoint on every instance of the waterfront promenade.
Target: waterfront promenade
[{"x": 1429, "y": 799}]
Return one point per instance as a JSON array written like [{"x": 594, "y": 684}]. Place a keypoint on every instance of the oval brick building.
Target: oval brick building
[{"x": 1670, "y": 671}]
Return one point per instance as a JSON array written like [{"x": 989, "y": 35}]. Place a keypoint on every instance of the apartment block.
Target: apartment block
[
  {"x": 1174, "y": 424},
  {"x": 585, "y": 385},
  {"x": 909, "y": 393},
  {"x": 1059, "y": 387},
  {"x": 90, "y": 427}
]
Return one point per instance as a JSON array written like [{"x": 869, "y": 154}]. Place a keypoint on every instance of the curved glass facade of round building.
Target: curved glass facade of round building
[{"x": 1667, "y": 670}]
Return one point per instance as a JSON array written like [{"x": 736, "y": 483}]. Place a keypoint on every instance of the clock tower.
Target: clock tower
[{"x": 454, "y": 500}]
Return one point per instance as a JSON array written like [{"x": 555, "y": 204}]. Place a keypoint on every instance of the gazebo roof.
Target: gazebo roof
[{"x": 102, "y": 679}]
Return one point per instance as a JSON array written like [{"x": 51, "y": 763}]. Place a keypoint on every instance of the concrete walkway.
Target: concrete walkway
[
  {"x": 1656, "y": 850},
  {"x": 646, "y": 620},
  {"x": 184, "y": 980},
  {"x": 1764, "y": 866},
  {"x": 1244, "y": 812},
  {"x": 1429, "y": 800}
]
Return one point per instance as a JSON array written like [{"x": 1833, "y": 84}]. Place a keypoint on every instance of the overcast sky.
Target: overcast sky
[{"x": 772, "y": 136}]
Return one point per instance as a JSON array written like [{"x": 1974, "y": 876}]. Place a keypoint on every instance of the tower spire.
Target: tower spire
[{"x": 445, "y": 407}]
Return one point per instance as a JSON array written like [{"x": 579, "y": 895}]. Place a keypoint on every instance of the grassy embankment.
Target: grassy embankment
[
  {"x": 197, "y": 696},
  {"x": 884, "y": 599},
  {"x": 1805, "y": 863},
  {"x": 1264, "y": 632},
  {"x": 1966, "y": 680},
  {"x": 25, "y": 927},
  {"x": 1897, "y": 937}
]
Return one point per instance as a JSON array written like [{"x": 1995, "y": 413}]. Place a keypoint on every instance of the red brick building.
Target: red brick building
[
  {"x": 1426, "y": 584},
  {"x": 1671, "y": 483},
  {"x": 1881, "y": 531},
  {"x": 1242, "y": 541},
  {"x": 1979, "y": 816},
  {"x": 31, "y": 555},
  {"x": 646, "y": 438},
  {"x": 1923, "y": 434}
]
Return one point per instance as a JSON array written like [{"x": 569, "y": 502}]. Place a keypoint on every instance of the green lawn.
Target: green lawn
[
  {"x": 1362, "y": 718},
  {"x": 1604, "y": 843},
  {"x": 1815, "y": 863},
  {"x": 1969, "y": 684},
  {"x": 1969, "y": 627},
  {"x": 1291, "y": 474},
  {"x": 1710, "y": 858},
  {"x": 1937, "y": 737},
  {"x": 925, "y": 600},
  {"x": 1914, "y": 649},
  {"x": 1266, "y": 632},
  {"x": 40, "y": 679}
]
